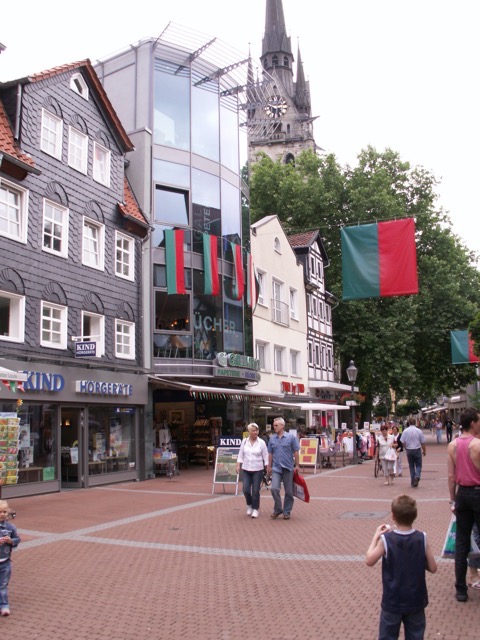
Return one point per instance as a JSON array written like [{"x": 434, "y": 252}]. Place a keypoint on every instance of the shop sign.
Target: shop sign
[
  {"x": 84, "y": 349},
  {"x": 41, "y": 381},
  {"x": 294, "y": 389},
  {"x": 237, "y": 360},
  {"x": 94, "y": 387},
  {"x": 237, "y": 373},
  {"x": 229, "y": 441}
]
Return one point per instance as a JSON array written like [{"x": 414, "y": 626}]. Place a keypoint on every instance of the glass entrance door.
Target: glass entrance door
[{"x": 72, "y": 453}]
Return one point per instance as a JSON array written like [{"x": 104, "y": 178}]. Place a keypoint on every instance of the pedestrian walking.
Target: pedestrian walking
[
  {"x": 464, "y": 489},
  {"x": 398, "y": 446},
  {"x": 253, "y": 457},
  {"x": 413, "y": 441},
  {"x": 406, "y": 556},
  {"x": 386, "y": 453},
  {"x": 449, "y": 429},
  {"x": 283, "y": 450},
  {"x": 9, "y": 539},
  {"x": 438, "y": 430}
]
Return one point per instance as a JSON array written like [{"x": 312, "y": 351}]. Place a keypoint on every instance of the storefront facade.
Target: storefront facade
[{"x": 77, "y": 427}]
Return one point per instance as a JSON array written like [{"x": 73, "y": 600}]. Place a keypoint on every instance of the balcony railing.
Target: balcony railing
[{"x": 280, "y": 312}]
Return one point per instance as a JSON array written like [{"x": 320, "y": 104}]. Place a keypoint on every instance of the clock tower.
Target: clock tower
[{"x": 280, "y": 122}]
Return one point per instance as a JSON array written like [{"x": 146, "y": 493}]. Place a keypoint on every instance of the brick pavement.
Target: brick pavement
[{"x": 167, "y": 559}]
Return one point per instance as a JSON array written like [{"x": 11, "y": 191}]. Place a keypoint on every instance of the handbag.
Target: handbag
[
  {"x": 448, "y": 550},
  {"x": 300, "y": 489},
  {"x": 391, "y": 455}
]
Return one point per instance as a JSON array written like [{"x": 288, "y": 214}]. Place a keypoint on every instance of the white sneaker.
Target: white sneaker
[
  {"x": 249, "y": 511},
  {"x": 254, "y": 513}
]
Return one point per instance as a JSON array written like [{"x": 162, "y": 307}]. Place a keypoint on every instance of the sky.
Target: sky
[{"x": 399, "y": 75}]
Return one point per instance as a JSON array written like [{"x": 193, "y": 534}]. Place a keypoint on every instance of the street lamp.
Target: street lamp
[{"x": 352, "y": 377}]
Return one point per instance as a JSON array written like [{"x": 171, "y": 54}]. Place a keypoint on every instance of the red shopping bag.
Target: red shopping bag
[{"x": 300, "y": 489}]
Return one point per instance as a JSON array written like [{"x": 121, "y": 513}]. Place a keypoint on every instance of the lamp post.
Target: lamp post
[{"x": 352, "y": 377}]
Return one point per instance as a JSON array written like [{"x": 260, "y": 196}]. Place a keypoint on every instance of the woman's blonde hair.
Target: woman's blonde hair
[{"x": 253, "y": 426}]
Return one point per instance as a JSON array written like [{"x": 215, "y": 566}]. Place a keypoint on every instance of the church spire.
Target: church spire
[
  {"x": 275, "y": 39},
  {"x": 302, "y": 93}
]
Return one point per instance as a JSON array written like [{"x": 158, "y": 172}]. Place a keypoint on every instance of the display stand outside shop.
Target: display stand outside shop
[{"x": 226, "y": 468}]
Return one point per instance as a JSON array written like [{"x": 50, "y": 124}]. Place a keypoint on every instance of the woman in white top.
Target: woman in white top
[
  {"x": 253, "y": 456},
  {"x": 385, "y": 442}
]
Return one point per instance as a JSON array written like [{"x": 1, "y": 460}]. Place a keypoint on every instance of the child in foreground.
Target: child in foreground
[
  {"x": 8, "y": 539},
  {"x": 406, "y": 555}
]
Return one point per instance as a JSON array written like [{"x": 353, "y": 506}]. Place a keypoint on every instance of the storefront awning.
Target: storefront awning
[
  {"x": 211, "y": 391},
  {"x": 310, "y": 406},
  {"x": 8, "y": 374}
]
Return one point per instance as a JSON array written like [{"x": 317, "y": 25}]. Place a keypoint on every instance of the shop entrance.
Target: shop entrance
[{"x": 72, "y": 448}]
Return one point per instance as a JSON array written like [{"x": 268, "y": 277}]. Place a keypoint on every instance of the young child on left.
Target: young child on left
[{"x": 9, "y": 539}]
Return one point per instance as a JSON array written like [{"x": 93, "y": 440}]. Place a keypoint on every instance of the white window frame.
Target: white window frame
[
  {"x": 13, "y": 214},
  {"x": 262, "y": 288},
  {"x": 16, "y": 316},
  {"x": 57, "y": 319},
  {"x": 121, "y": 345},
  {"x": 101, "y": 165},
  {"x": 124, "y": 256},
  {"x": 57, "y": 216},
  {"x": 51, "y": 135},
  {"x": 93, "y": 244},
  {"x": 261, "y": 352},
  {"x": 279, "y": 359},
  {"x": 77, "y": 150},
  {"x": 293, "y": 304},
  {"x": 295, "y": 363},
  {"x": 97, "y": 331},
  {"x": 78, "y": 84}
]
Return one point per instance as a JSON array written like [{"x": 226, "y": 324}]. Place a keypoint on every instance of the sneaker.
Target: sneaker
[
  {"x": 461, "y": 597},
  {"x": 5, "y": 611},
  {"x": 249, "y": 511},
  {"x": 254, "y": 513}
]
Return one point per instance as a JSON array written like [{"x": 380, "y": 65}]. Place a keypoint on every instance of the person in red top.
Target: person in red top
[{"x": 464, "y": 488}]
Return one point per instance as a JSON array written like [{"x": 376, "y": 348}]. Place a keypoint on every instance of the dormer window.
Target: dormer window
[{"x": 78, "y": 84}]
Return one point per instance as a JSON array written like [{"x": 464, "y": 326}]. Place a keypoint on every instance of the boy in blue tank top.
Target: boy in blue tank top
[{"x": 406, "y": 555}]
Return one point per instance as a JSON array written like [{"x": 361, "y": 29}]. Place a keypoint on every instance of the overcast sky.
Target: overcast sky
[{"x": 402, "y": 75}]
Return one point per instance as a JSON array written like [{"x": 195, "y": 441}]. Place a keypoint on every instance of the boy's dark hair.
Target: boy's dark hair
[
  {"x": 467, "y": 417},
  {"x": 404, "y": 510}
]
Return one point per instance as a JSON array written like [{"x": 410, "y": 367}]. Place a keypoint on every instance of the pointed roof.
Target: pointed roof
[
  {"x": 301, "y": 88},
  {"x": 275, "y": 38},
  {"x": 10, "y": 150},
  {"x": 107, "y": 107},
  {"x": 304, "y": 240},
  {"x": 131, "y": 211}
]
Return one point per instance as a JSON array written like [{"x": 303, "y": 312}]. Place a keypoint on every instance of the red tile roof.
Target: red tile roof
[
  {"x": 130, "y": 209},
  {"x": 302, "y": 239},
  {"x": 8, "y": 145}
]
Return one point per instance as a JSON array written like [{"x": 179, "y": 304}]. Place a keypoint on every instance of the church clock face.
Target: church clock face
[{"x": 276, "y": 107}]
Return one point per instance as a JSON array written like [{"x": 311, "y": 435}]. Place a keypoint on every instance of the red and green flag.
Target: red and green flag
[
  {"x": 210, "y": 265},
  {"x": 252, "y": 283},
  {"x": 174, "y": 258},
  {"x": 462, "y": 347},
  {"x": 379, "y": 260},
  {"x": 238, "y": 280}
]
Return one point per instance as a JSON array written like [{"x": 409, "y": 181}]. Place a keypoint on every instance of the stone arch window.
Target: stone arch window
[{"x": 290, "y": 158}]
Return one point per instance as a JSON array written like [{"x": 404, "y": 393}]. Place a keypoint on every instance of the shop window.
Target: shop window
[
  {"x": 35, "y": 459},
  {"x": 172, "y": 312},
  {"x": 12, "y": 317},
  {"x": 111, "y": 439}
]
